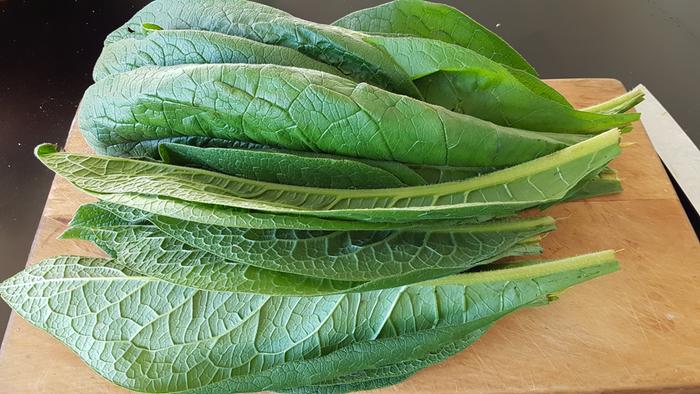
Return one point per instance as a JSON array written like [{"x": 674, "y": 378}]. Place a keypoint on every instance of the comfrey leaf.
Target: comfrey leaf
[
  {"x": 419, "y": 252},
  {"x": 150, "y": 335},
  {"x": 500, "y": 193},
  {"x": 419, "y": 18},
  {"x": 340, "y": 48},
  {"x": 295, "y": 109},
  {"x": 173, "y": 47}
]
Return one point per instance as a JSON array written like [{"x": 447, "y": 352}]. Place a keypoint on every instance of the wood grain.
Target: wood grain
[{"x": 637, "y": 330}]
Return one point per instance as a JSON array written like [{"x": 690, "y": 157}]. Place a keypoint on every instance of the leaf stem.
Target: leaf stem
[
  {"x": 618, "y": 104},
  {"x": 523, "y": 270}
]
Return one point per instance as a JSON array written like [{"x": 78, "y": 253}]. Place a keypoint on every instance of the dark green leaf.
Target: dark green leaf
[
  {"x": 172, "y": 47},
  {"x": 341, "y": 48},
  {"x": 295, "y": 109},
  {"x": 436, "y": 21},
  {"x": 464, "y": 81}
]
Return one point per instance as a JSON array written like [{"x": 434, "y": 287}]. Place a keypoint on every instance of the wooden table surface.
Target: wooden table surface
[{"x": 637, "y": 330}]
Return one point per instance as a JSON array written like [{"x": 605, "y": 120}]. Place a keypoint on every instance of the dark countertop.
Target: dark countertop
[{"x": 48, "y": 49}]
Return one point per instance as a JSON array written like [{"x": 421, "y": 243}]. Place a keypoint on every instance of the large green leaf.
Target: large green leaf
[
  {"x": 313, "y": 169},
  {"x": 341, "y": 48},
  {"x": 360, "y": 255},
  {"x": 390, "y": 374},
  {"x": 327, "y": 171},
  {"x": 437, "y": 21},
  {"x": 171, "y": 47},
  {"x": 149, "y": 335},
  {"x": 338, "y": 255},
  {"x": 152, "y": 253},
  {"x": 296, "y": 109},
  {"x": 500, "y": 193},
  {"x": 462, "y": 80},
  {"x": 234, "y": 217},
  {"x": 293, "y": 168}
]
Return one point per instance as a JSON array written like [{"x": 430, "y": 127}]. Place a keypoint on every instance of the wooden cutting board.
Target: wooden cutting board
[{"x": 637, "y": 330}]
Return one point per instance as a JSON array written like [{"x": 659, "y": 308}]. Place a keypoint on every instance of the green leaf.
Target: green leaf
[
  {"x": 360, "y": 255},
  {"x": 537, "y": 86},
  {"x": 149, "y": 335},
  {"x": 152, "y": 253},
  {"x": 500, "y": 193},
  {"x": 146, "y": 148},
  {"x": 341, "y": 48},
  {"x": 604, "y": 183},
  {"x": 100, "y": 214},
  {"x": 346, "y": 256},
  {"x": 393, "y": 373},
  {"x": 390, "y": 374},
  {"x": 172, "y": 47},
  {"x": 293, "y": 168},
  {"x": 234, "y": 217},
  {"x": 463, "y": 81},
  {"x": 327, "y": 171},
  {"x": 436, "y": 21},
  {"x": 314, "y": 170},
  {"x": 351, "y": 387},
  {"x": 294, "y": 109}
]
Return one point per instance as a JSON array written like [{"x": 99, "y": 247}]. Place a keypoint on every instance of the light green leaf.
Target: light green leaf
[
  {"x": 338, "y": 255},
  {"x": 150, "y": 252},
  {"x": 151, "y": 27},
  {"x": 234, "y": 217},
  {"x": 149, "y": 335},
  {"x": 500, "y": 193}
]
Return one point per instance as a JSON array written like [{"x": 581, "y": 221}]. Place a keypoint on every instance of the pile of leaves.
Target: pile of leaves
[{"x": 301, "y": 207}]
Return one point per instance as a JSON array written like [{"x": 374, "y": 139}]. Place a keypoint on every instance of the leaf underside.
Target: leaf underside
[{"x": 120, "y": 323}]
